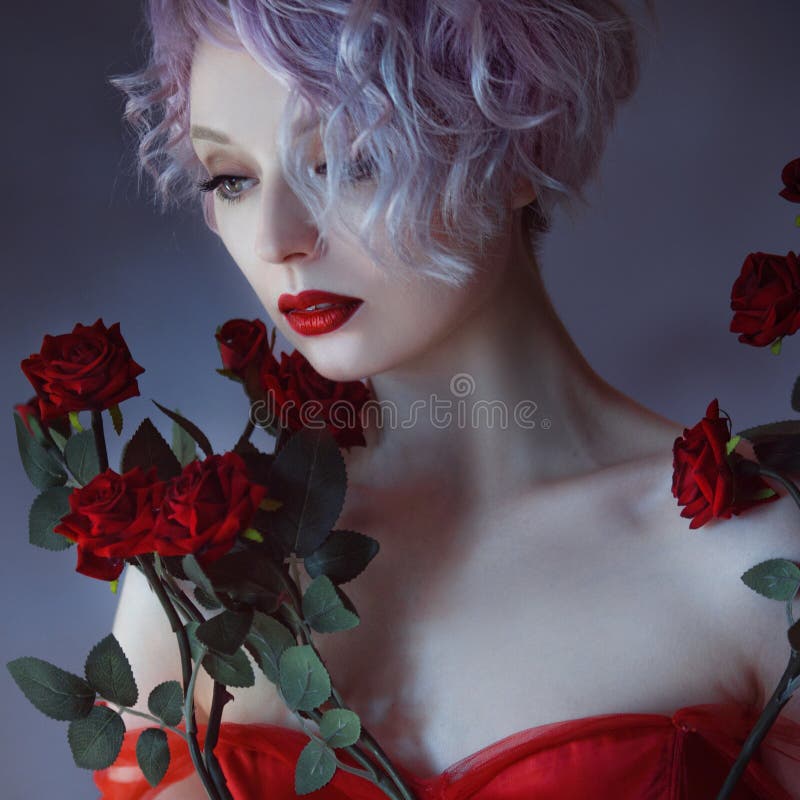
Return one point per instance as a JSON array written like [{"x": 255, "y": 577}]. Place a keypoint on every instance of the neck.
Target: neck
[{"x": 527, "y": 408}]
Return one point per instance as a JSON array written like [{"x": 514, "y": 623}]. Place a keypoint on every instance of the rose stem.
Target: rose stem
[
  {"x": 369, "y": 741},
  {"x": 219, "y": 697},
  {"x": 188, "y": 685},
  {"x": 100, "y": 439},
  {"x": 764, "y": 723},
  {"x": 777, "y": 701},
  {"x": 790, "y": 485}
]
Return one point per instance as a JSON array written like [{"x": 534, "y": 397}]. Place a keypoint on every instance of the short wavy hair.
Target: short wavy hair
[{"x": 451, "y": 102}]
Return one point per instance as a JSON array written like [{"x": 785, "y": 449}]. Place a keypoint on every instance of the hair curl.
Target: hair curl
[{"x": 454, "y": 101}]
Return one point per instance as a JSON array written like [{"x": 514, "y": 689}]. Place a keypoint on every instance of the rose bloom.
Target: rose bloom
[
  {"x": 30, "y": 411},
  {"x": 112, "y": 519},
  {"x": 206, "y": 507},
  {"x": 88, "y": 369},
  {"x": 299, "y": 393},
  {"x": 703, "y": 479},
  {"x": 766, "y": 298},
  {"x": 791, "y": 181},
  {"x": 241, "y": 343}
]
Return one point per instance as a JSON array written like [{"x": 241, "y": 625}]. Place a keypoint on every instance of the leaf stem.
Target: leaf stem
[
  {"x": 159, "y": 722},
  {"x": 768, "y": 716}
]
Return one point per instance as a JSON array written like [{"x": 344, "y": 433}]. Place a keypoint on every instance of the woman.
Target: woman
[{"x": 487, "y": 116}]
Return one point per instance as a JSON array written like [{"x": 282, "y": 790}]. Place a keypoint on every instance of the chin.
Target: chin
[{"x": 333, "y": 369}]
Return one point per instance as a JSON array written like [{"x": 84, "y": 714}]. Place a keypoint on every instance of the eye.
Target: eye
[{"x": 227, "y": 187}]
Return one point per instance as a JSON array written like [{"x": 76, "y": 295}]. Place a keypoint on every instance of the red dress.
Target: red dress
[{"x": 621, "y": 756}]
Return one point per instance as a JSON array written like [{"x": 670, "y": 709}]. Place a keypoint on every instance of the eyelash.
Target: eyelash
[{"x": 214, "y": 184}]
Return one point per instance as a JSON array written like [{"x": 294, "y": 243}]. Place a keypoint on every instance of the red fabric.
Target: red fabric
[{"x": 620, "y": 756}]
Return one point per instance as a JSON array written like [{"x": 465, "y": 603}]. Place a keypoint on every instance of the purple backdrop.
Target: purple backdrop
[{"x": 688, "y": 188}]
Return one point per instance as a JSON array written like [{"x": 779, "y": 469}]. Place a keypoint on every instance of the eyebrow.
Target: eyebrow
[{"x": 201, "y": 132}]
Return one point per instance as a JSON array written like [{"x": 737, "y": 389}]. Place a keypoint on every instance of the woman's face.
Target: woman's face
[{"x": 270, "y": 235}]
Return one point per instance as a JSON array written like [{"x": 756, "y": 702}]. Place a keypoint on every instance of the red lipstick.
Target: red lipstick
[{"x": 321, "y": 320}]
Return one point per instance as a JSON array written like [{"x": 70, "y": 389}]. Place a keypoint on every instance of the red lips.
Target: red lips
[{"x": 311, "y": 297}]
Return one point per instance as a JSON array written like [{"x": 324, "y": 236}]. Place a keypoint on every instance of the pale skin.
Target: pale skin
[{"x": 553, "y": 559}]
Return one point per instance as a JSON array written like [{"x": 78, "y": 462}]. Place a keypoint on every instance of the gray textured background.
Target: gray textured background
[{"x": 688, "y": 188}]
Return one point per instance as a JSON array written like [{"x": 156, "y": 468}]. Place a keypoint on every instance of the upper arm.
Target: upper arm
[{"x": 142, "y": 628}]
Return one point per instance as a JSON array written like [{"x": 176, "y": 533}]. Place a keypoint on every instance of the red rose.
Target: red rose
[
  {"x": 300, "y": 394},
  {"x": 766, "y": 298},
  {"x": 703, "y": 479},
  {"x": 112, "y": 519},
  {"x": 88, "y": 369},
  {"x": 242, "y": 342},
  {"x": 206, "y": 507},
  {"x": 30, "y": 411},
  {"x": 791, "y": 181}
]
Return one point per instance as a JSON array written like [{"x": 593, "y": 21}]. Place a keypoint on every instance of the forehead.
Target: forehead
[{"x": 232, "y": 93}]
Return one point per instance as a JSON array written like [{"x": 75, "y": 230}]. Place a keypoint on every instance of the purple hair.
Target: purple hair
[{"x": 454, "y": 101}]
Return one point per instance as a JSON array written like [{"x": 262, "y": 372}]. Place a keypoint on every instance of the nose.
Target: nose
[{"x": 286, "y": 230}]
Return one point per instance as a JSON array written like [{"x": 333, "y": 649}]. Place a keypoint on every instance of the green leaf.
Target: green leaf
[
  {"x": 323, "y": 607},
  {"x": 183, "y": 445},
  {"x": 231, "y": 670},
  {"x": 315, "y": 766},
  {"x": 166, "y": 702},
  {"x": 152, "y": 753},
  {"x": 258, "y": 464},
  {"x": 61, "y": 441},
  {"x": 148, "y": 448},
  {"x": 96, "y": 740},
  {"x": 775, "y": 347},
  {"x": 206, "y": 600},
  {"x": 779, "y": 452},
  {"x": 109, "y": 672},
  {"x": 796, "y": 394},
  {"x": 303, "y": 680},
  {"x": 228, "y": 373},
  {"x": 196, "y": 574},
  {"x": 75, "y": 421},
  {"x": 225, "y": 633},
  {"x": 340, "y": 727},
  {"x": 267, "y": 640},
  {"x": 190, "y": 428},
  {"x": 115, "y": 412},
  {"x": 342, "y": 556},
  {"x": 779, "y": 428},
  {"x": 46, "y": 512},
  {"x": 251, "y": 534},
  {"x": 776, "y": 578},
  {"x": 80, "y": 453},
  {"x": 41, "y": 467},
  {"x": 249, "y": 576},
  {"x": 55, "y": 692},
  {"x": 309, "y": 476}
]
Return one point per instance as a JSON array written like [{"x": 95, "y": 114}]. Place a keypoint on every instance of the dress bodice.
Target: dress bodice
[{"x": 627, "y": 756}]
